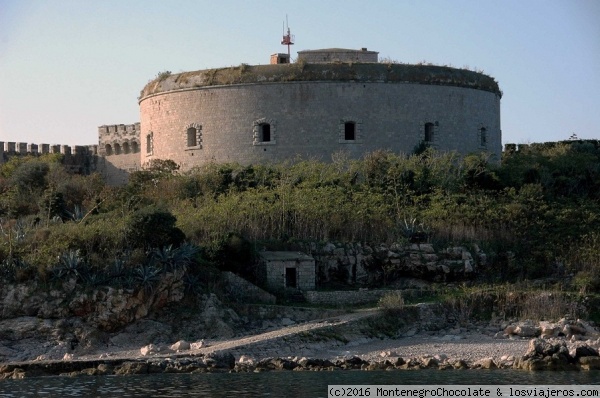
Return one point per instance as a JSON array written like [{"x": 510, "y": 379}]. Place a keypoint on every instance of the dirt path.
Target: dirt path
[
  {"x": 248, "y": 340},
  {"x": 287, "y": 331}
]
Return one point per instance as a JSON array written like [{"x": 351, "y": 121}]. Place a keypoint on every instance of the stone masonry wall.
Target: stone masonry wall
[
  {"x": 307, "y": 119},
  {"x": 359, "y": 264},
  {"x": 276, "y": 274},
  {"x": 346, "y": 297},
  {"x": 120, "y": 148},
  {"x": 337, "y": 55},
  {"x": 76, "y": 158}
]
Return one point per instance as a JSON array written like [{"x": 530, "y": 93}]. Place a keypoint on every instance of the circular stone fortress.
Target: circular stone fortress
[{"x": 328, "y": 101}]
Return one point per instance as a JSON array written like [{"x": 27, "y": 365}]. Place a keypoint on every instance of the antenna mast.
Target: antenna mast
[{"x": 288, "y": 39}]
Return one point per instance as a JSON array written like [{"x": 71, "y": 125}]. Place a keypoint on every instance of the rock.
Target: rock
[
  {"x": 429, "y": 362},
  {"x": 130, "y": 368},
  {"x": 486, "y": 363},
  {"x": 198, "y": 344},
  {"x": 440, "y": 357},
  {"x": 460, "y": 364},
  {"x": 149, "y": 350},
  {"x": 527, "y": 331},
  {"x": 181, "y": 345},
  {"x": 585, "y": 351},
  {"x": 548, "y": 329},
  {"x": 68, "y": 357},
  {"x": 540, "y": 347},
  {"x": 590, "y": 331},
  {"x": 410, "y": 333},
  {"x": 287, "y": 322},
  {"x": 589, "y": 363},
  {"x": 573, "y": 330},
  {"x": 510, "y": 330},
  {"x": 221, "y": 360},
  {"x": 246, "y": 360}
]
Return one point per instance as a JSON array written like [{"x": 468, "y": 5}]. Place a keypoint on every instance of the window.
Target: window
[
  {"x": 134, "y": 147},
  {"x": 191, "y": 137},
  {"x": 265, "y": 132},
  {"x": 149, "y": 144},
  {"x": 193, "y": 134},
  {"x": 117, "y": 149},
  {"x": 483, "y": 137},
  {"x": 349, "y": 131},
  {"x": 429, "y": 132},
  {"x": 108, "y": 149},
  {"x": 126, "y": 147}
]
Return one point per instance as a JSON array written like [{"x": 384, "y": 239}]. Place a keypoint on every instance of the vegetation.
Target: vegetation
[
  {"x": 535, "y": 215},
  {"x": 302, "y": 71}
]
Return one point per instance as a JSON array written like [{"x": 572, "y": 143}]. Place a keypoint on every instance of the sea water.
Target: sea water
[{"x": 269, "y": 384}]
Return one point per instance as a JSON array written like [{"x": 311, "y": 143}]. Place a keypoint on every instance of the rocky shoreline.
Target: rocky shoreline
[
  {"x": 260, "y": 338},
  {"x": 542, "y": 354},
  {"x": 249, "y": 354}
]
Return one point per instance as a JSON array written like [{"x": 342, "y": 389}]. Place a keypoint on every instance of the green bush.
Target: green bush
[{"x": 152, "y": 227}]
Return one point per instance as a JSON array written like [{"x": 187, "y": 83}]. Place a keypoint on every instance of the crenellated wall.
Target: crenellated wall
[
  {"x": 119, "y": 150},
  {"x": 80, "y": 159}
]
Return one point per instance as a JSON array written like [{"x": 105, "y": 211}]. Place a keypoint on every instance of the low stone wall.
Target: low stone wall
[
  {"x": 344, "y": 297},
  {"x": 361, "y": 264},
  {"x": 243, "y": 290}
]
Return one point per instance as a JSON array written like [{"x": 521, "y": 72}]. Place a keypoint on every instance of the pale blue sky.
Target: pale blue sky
[{"x": 68, "y": 66}]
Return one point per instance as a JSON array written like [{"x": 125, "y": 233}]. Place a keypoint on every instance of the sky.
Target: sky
[{"x": 69, "y": 66}]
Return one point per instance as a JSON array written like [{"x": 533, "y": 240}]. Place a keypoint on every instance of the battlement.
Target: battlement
[
  {"x": 118, "y": 139},
  {"x": 8, "y": 149}
]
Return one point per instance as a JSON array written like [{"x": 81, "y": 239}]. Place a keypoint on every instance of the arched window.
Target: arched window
[
  {"x": 349, "y": 131},
  {"x": 134, "y": 147},
  {"x": 117, "y": 149},
  {"x": 265, "y": 132},
  {"x": 192, "y": 136},
  {"x": 149, "y": 143},
  {"x": 429, "y": 132},
  {"x": 108, "y": 149},
  {"x": 125, "y": 147},
  {"x": 483, "y": 137}
]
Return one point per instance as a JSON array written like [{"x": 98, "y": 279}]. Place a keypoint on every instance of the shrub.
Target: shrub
[
  {"x": 152, "y": 227},
  {"x": 391, "y": 302}
]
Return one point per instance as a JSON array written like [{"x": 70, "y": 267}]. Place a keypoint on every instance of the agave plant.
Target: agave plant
[
  {"x": 94, "y": 278},
  {"x": 191, "y": 283},
  {"x": 8, "y": 269},
  {"x": 163, "y": 256},
  {"x": 70, "y": 264},
  {"x": 77, "y": 214},
  {"x": 175, "y": 259},
  {"x": 146, "y": 276}
]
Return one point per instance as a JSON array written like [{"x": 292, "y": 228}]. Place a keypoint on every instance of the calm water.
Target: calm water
[{"x": 269, "y": 384}]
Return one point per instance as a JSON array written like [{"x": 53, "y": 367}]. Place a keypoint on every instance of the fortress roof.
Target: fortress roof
[
  {"x": 336, "y": 50},
  {"x": 325, "y": 72}
]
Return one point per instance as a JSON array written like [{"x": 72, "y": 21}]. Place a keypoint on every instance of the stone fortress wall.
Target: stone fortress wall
[
  {"x": 78, "y": 159},
  {"x": 309, "y": 119},
  {"x": 332, "y": 100},
  {"x": 119, "y": 151},
  {"x": 315, "y": 108}
]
